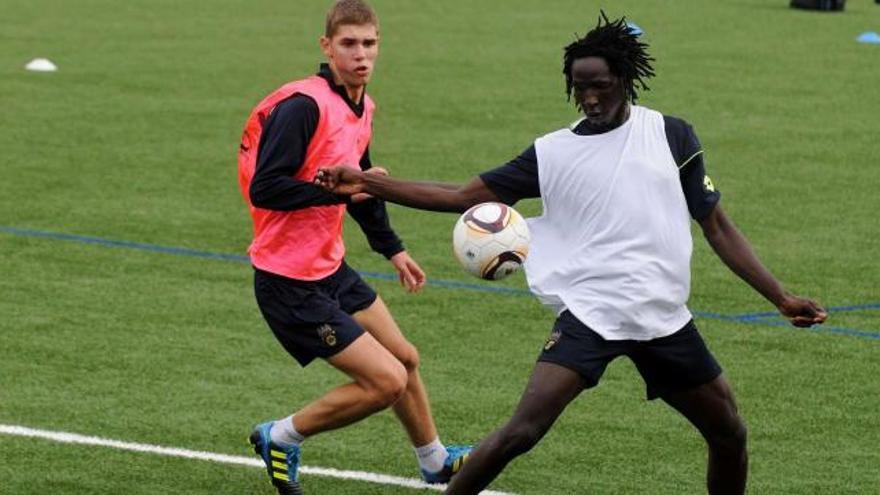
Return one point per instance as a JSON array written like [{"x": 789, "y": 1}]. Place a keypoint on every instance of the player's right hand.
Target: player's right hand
[
  {"x": 340, "y": 180},
  {"x": 358, "y": 197}
]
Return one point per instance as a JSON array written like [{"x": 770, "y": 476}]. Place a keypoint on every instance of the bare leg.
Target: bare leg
[
  {"x": 712, "y": 409},
  {"x": 550, "y": 389},
  {"x": 379, "y": 381},
  {"x": 413, "y": 409}
]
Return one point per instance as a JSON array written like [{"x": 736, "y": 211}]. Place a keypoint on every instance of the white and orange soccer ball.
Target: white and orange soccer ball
[{"x": 491, "y": 240}]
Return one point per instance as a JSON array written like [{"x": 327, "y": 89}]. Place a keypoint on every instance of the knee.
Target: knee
[
  {"x": 409, "y": 358},
  {"x": 389, "y": 387},
  {"x": 727, "y": 433},
  {"x": 517, "y": 439},
  {"x": 731, "y": 438}
]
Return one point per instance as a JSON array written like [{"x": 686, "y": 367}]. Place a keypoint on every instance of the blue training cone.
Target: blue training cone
[{"x": 869, "y": 37}]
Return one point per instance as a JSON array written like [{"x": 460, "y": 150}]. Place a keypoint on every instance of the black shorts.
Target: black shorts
[
  {"x": 668, "y": 364},
  {"x": 313, "y": 319}
]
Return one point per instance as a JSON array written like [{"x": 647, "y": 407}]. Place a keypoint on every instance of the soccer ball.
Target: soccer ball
[{"x": 491, "y": 240}]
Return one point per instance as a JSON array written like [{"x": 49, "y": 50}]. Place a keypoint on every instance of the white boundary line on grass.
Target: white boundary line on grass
[{"x": 64, "y": 437}]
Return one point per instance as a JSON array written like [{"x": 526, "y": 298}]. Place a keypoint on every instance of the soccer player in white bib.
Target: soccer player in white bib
[{"x": 610, "y": 254}]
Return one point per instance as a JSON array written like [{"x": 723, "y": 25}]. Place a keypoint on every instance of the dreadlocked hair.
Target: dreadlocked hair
[{"x": 626, "y": 56}]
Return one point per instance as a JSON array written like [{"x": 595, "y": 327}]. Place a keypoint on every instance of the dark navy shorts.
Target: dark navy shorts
[
  {"x": 312, "y": 319},
  {"x": 668, "y": 364}
]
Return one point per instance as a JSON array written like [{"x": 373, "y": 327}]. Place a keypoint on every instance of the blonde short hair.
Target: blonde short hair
[{"x": 355, "y": 12}]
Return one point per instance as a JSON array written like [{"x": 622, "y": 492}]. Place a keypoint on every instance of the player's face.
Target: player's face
[
  {"x": 598, "y": 93},
  {"x": 351, "y": 52}
]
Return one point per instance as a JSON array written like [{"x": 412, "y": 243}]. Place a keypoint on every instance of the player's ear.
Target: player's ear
[{"x": 324, "y": 42}]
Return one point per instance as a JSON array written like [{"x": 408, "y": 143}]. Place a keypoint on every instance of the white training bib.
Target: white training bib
[{"x": 613, "y": 244}]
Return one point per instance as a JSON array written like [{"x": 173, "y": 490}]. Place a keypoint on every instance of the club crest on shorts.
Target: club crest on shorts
[
  {"x": 327, "y": 334},
  {"x": 552, "y": 340}
]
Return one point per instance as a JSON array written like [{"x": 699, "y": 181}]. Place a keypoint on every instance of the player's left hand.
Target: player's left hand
[
  {"x": 802, "y": 312},
  {"x": 410, "y": 273}
]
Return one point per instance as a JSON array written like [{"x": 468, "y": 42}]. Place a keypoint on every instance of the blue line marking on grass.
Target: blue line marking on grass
[
  {"x": 777, "y": 321},
  {"x": 714, "y": 316},
  {"x": 452, "y": 284},
  {"x": 835, "y": 309},
  {"x": 123, "y": 244},
  {"x": 815, "y": 328},
  {"x": 764, "y": 318}
]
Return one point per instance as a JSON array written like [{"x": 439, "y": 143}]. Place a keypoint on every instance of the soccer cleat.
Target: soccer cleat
[
  {"x": 281, "y": 462},
  {"x": 457, "y": 455}
]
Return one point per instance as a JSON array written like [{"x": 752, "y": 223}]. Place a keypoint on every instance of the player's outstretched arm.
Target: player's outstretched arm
[
  {"x": 421, "y": 195},
  {"x": 736, "y": 252}
]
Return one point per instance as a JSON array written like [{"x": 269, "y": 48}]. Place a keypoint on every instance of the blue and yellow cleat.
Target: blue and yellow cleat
[
  {"x": 457, "y": 455},
  {"x": 281, "y": 462}
]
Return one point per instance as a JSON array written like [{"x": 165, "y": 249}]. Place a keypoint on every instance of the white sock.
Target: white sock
[
  {"x": 284, "y": 434},
  {"x": 432, "y": 456}
]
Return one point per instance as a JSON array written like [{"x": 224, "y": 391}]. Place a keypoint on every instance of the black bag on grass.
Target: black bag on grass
[{"x": 827, "y": 5}]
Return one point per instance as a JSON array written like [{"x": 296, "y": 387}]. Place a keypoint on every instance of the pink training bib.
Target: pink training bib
[{"x": 304, "y": 244}]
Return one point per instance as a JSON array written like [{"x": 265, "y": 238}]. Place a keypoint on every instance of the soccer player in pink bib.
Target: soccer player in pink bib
[{"x": 314, "y": 303}]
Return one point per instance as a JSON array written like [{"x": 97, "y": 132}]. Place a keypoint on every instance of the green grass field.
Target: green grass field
[{"x": 134, "y": 139}]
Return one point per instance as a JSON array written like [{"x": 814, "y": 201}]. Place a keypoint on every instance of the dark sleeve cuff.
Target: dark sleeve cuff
[
  {"x": 390, "y": 251},
  {"x": 703, "y": 208}
]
